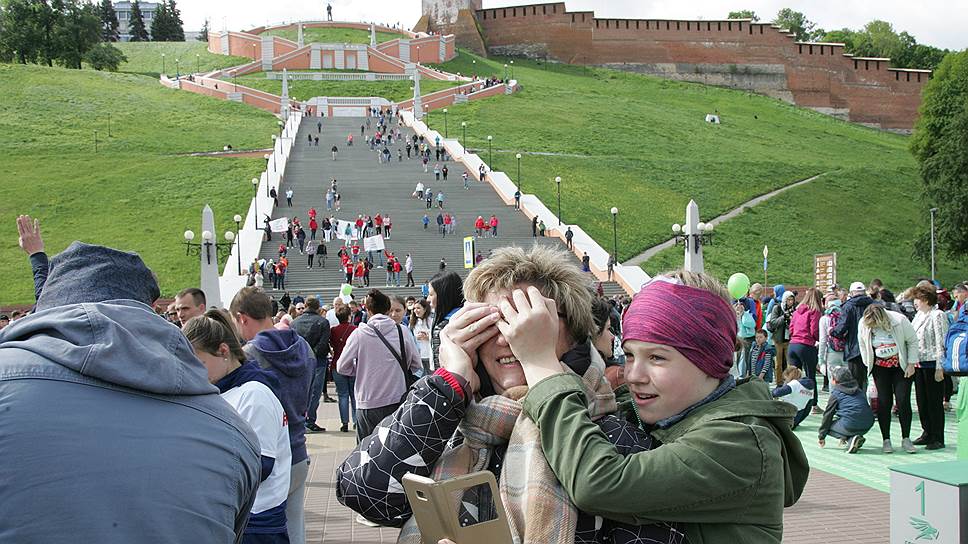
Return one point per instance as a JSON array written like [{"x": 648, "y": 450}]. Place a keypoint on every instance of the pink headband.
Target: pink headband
[{"x": 697, "y": 323}]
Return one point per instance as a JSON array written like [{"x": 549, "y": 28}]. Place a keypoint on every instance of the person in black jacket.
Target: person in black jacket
[
  {"x": 846, "y": 330},
  {"x": 314, "y": 328}
]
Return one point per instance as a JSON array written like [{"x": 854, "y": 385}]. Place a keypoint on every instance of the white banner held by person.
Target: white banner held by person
[
  {"x": 279, "y": 225},
  {"x": 373, "y": 243},
  {"x": 345, "y": 230}
]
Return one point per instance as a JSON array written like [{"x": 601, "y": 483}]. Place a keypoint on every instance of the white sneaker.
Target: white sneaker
[
  {"x": 854, "y": 444},
  {"x": 908, "y": 446},
  {"x": 887, "y": 447}
]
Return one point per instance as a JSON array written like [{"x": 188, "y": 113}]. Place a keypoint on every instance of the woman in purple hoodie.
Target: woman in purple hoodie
[{"x": 804, "y": 336}]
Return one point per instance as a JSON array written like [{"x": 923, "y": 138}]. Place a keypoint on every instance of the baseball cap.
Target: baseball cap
[{"x": 858, "y": 287}]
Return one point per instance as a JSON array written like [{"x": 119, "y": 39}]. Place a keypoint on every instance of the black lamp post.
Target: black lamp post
[
  {"x": 505, "y": 71},
  {"x": 558, "y": 183},
  {"x": 255, "y": 202},
  {"x": 177, "y": 70},
  {"x": 198, "y": 60},
  {"x": 445, "y": 122},
  {"x": 512, "y": 69},
  {"x": 238, "y": 240},
  {"x": 109, "y": 125},
  {"x": 518, "y": 156},
  {"x": 615, "y": 234},
  {"x": 463, "y": 126},
  {"x": 490, "y": 157},
  {"x": 164, "y": 67},
  {"x": 95, "y": 141},
  {"x": 208, "y": 241}
]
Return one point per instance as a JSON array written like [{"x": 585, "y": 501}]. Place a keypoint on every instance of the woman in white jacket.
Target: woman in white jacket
[
  {"x": 889, "y": 348},
  {"x": 931, "y": 325}
]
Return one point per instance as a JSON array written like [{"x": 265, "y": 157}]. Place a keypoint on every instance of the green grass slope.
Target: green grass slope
[
  {"x": 333, "y": 35},
  {"x": 145, "y": 57},
  {"x": 304, "y": 90},
  {"x": 641, "y": 144},
  {"x": 139, "y": 192}
]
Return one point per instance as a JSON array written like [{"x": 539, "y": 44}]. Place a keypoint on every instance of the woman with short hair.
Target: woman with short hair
[{"x": 931, "y": 325}]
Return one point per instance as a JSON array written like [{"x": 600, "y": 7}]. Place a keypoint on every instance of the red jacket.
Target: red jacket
[
  {"x": 479, "y": 224},
  {"x": 313, "y": 225},
  {"x": 378, "y": 220},
  {"x": 493, "y": 221}
]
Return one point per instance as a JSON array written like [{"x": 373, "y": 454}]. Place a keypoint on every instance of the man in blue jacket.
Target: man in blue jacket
[
  {"x": 111, "y": 432},
  {"x": 846, "y": 330}
]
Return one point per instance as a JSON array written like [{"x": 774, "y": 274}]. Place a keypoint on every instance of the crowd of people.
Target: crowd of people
[{"x": 570, "y": 398}]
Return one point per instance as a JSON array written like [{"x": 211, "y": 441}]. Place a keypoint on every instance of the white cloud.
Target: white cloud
[{"x": 935, "y": 22}]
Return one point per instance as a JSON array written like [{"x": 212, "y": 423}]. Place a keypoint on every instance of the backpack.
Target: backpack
[
  {"x": 835, "y": 343},
  {"x": 955, "y": 361}
]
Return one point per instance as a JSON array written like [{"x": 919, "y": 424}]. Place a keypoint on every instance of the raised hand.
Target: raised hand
[
  {"x": 30, "y": 239},
  {"x": 530, "y": 326}
]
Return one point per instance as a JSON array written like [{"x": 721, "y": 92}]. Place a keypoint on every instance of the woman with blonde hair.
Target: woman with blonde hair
[
  {"x": 805, "y": 335},
  {"x": 889, "y": 350},
  {"x": 931, "y": 325}
]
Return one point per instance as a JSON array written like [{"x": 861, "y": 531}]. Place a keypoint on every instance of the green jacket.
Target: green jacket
[{"x": 724, "y": 472}]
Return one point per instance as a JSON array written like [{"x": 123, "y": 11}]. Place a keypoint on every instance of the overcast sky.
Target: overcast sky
[{"x": 941, "y": 23}]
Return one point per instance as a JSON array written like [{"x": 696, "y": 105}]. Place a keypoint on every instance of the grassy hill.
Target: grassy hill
[
  {"x": 333, "y": 35},
  {"x": 304, "y": 90},
  {"x": 139, "y": 192},
  {"x": 641, "y": 144},
  {"x": 145, "y": 57}
]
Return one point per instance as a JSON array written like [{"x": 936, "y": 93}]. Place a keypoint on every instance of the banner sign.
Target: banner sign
[
  {"x": 469, "y": 252},
  {"x": 373, "y": 243},
  {"x": 279, "y": 225}
]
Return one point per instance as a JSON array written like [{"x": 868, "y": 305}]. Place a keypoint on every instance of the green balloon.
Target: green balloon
[{"x": 738, "y": 285}]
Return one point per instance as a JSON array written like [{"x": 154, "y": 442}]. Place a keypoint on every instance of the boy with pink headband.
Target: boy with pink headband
[{"x": 728, "y": 462}]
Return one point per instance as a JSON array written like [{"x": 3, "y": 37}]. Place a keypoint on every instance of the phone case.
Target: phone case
[{"x": 435, "y": 509}]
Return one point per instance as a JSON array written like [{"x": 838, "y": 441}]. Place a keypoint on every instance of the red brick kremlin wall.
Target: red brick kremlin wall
[{"x": 740, "y": 54}]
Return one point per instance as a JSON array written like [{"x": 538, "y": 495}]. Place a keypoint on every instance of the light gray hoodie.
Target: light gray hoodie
[{"x": 111, "y": 433}]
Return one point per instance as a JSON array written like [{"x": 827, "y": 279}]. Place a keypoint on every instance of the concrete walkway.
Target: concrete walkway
[{"x": 654, "y": 250}]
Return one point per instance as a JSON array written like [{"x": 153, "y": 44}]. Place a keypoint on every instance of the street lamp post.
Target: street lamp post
[
  {"x": 512, "y": 69},
  {"x": 109, "y": 125},
  {"x": 558, "y": 183},
  {"x": 267, "y": 157},
  {"x": 490, "y": 157},
  {"x": 198, "y": 60},
  {"x": 693, "y": 235},
  {"x": 177, "y": 70},
  {"x": 95, "y": 141},
  {"x": 445, "y": 123},
  {"x": 208, "y": 241},
  {"x": 463, "y": 126},
  {"x": 164, "y": 67},
  {"x": 255, "y": 203},
  {"x": 614, "y": 234},
  {"x": 518, "y": 156},
  {"x": 238, "y": 240},
  {"x": 505, "y": 71},
  {"x": 933, "y": 211},
  {"x": 766, "y": 254}
]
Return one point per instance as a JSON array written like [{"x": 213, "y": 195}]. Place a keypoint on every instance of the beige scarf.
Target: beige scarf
[{"x": 538, "y": 508}]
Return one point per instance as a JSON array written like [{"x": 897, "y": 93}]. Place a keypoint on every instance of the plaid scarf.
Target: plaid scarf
[{"x": 538, "y": 508}]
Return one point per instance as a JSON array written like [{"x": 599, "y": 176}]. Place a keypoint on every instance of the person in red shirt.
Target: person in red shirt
[
  {"x": 348, "y": 267},
  {"x": 344, "y": 384},
  {"x": 390, "y": 262},
  {"x": 312, "y": 213},
  {"x": 494, "y": 223},
  {"x": 447, "y": 222},
  {"x": 360, "y": 269},
  {"x": 396, "y": 272},
  {"x": 479, "y": 226},
  {"x": 355, "y": 250},
  {"x": 378, "y": 223},
  {"x": 313, "y": 226},
  {"x": 359, "y": 225}
]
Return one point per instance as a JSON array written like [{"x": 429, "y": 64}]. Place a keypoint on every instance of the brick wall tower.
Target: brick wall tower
[{"x": 455, "y": 17}]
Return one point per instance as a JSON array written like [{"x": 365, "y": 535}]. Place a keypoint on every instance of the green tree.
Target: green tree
[
  {"x": 844, "y": 35},
  {"x": 878, "y": 39},
  {"x": 176, "y": 28},
  {"x": 137, "y": 29},
  {"x": 78, "y": 31},
  {"x": 160, "y": 27},
  {"x": 105, "y": 56},
  {"x": 109, "y": 21},
  {"x": 20, "y": 36},
  {"x": 798, "y": 24},
  {"x": 203, "y": 35},
  {"x": 744, "y": 14},
  {"x": 940, "y": 146},
  {"x": 49, "y": 17}
]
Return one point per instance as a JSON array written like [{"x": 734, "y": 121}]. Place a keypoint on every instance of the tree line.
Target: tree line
[
  {"x": 71, "y": 32},
  {"x": 876, "y": 39}
]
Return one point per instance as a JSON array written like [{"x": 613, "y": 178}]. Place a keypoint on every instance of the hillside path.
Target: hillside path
[{"x": 654, "y": 250}]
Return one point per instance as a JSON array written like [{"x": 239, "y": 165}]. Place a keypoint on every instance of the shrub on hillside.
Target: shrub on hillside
[{"x": 105, "y": 56}]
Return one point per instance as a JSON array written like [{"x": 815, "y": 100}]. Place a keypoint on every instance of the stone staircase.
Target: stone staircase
[{"x": 369, "y": 187}]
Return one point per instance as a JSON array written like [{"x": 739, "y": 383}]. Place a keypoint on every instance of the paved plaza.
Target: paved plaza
[{"x": 846, "y": 499}]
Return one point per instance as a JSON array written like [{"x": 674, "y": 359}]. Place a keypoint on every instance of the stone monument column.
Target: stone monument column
[
  {"x": 417, "y": 103},
  {"x": 284, "y": 105},
  {"x": 693, "y": 260},
  {"x": 208, "y": 257}
]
